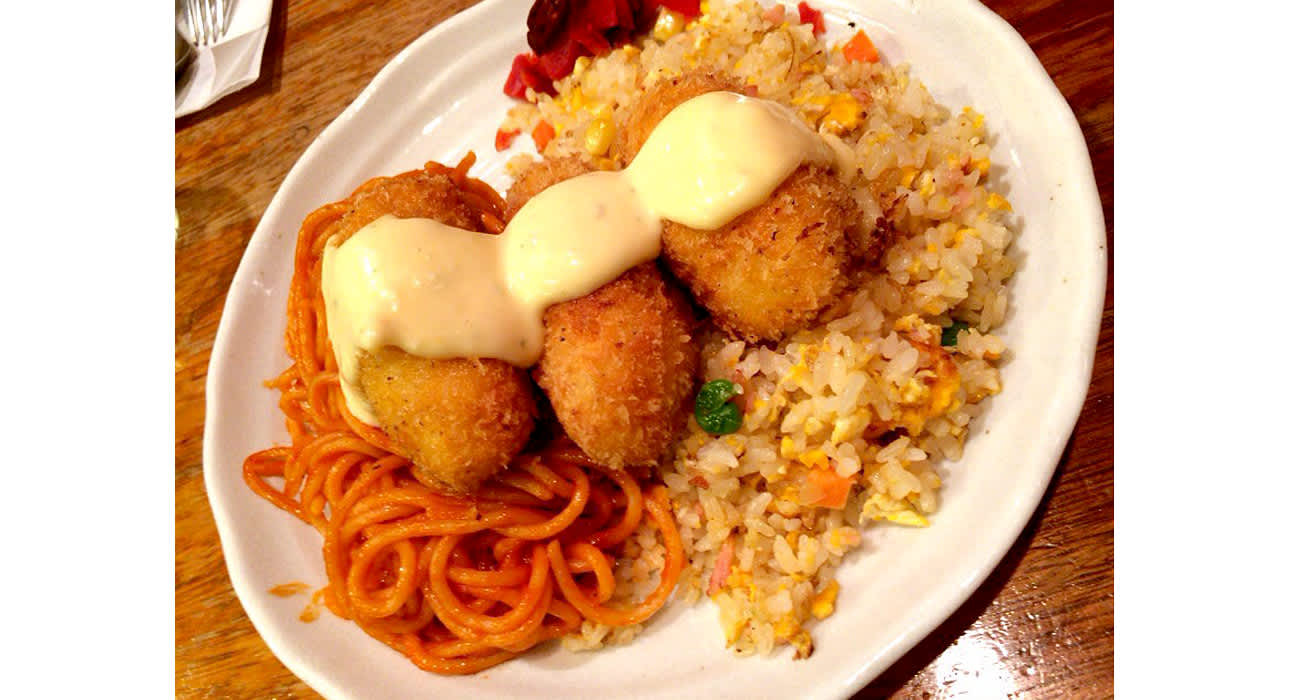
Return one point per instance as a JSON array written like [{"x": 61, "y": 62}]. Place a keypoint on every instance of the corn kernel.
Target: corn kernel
[
  {"x": 982, "y": 166},
  {"x": 907, "y": 174},
  {"x": 843, "y": 429},
  {"x": 798, "y": 372},
  {"x": 815, "y": 459},
  {"x": 576, "y": 99},
  {"x": 926, "y": 187},
  {"x": 669, "y": 24},
  {"x": 996, "y": 201},
  {"x": 599, "y": 135},
  {"x": 602, "y": 110}
]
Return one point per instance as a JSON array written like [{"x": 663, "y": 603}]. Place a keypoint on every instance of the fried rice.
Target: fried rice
[{"x": 870, "y": 398}]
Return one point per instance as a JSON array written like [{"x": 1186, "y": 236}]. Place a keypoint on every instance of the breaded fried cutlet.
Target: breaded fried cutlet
[
  {"x": 660, "y": 99},
  {"x": 619, "y": 367},
  {"x": 540, "y": 175},
  {"x": 773, "y": 269},
  {"x": 415, "y": 194},
  {"x": 458, "y": 420},
  {"x": 618, "y": 364}
]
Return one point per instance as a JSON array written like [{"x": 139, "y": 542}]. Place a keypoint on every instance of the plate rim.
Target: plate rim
[{"x": 1068, "y": 411}]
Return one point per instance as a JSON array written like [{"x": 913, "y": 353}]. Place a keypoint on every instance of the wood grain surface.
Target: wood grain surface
[{"x": 1041, "y": 626}]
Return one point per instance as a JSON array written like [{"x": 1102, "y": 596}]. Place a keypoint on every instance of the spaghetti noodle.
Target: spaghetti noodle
[{"x": 457, "y": 584}]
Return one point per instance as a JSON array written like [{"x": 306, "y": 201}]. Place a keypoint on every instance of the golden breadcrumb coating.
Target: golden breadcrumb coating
[
  {"x": 540, "y": 175},
  {"x": 619, "y": 367},
  {"x": 660, "y": 99},
  {"x": 458, "y": 420},
  {"x": 416, "y": 194},
  {"x": 773, "y": 269}
]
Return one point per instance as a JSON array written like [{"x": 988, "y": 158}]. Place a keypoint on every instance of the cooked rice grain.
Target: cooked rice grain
[{"x": 870, "y": 394}]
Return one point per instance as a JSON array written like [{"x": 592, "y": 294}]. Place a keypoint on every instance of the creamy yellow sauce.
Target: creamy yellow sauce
[
  {"x": 718, "y": 155},
  {"x": 437, "y": 291}
]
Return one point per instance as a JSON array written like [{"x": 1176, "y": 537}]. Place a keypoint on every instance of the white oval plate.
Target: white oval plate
[{"x": 441, "y": 97}]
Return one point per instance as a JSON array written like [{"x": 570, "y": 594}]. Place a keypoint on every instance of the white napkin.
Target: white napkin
[{"x": 229, "y": 65}]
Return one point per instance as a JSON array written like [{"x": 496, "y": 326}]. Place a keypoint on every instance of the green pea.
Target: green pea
[
  {"x": 713, "y": 410},
  {"x": 950, "y": 333}
]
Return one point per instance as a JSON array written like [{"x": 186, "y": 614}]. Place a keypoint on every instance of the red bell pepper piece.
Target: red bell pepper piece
[{"x": 812, "y": 15}]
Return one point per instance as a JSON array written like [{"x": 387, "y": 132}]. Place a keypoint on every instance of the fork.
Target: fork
[{"x": 207, "y": 19}]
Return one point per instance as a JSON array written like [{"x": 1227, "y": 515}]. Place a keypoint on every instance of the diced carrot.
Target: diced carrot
[
  {"x": 504, "y": 138},
  {"x": 860, "y": 48},
  {"x": 812, "y": 16},
  {"x": 542, "y": 134},
  {"x": 833, "y": 489}
]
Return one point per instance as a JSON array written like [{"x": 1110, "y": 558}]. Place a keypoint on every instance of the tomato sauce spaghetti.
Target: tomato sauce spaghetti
[{"x": 458, "y": 584}]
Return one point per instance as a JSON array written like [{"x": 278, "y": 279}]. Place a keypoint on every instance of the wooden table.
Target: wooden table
[{"x": 1040, "y": 626}]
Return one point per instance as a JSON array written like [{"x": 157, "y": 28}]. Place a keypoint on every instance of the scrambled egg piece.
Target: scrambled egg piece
[
  {"x": 822, "y": 605},
  {"x": 930, "y": 393},
  {"x": 883, "y": 507}
]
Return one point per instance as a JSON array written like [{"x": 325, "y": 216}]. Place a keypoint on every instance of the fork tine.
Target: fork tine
[
  {"x": 208, "y": 11},
  {"x": 199, "y": 21},
  {"x": 228, "y": 15},
  {"x": 208, "y": 20},
  {"x": 217, "y": 19},
  {"x": 190, "y": 17},
  {"x": 221, "y": 19}
]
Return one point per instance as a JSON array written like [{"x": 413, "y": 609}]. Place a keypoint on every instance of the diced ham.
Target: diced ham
[
  {"x": 742, "y": 400},
  {"x": 722, "y": 566}
]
